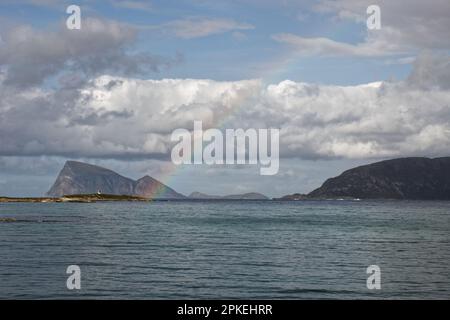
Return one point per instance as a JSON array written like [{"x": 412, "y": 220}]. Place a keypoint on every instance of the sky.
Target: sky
[{"x": 112, "y": 92}]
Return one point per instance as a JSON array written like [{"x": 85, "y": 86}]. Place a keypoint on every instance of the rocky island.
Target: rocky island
[
  {"x": 83, "y": 178},
  {"x": 402, "y": 179}
]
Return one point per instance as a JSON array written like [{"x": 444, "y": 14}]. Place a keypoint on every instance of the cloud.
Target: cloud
[
  {"x": 133, "y": 5},
  {"x": 408, "y": 26},
  {"x": 400, "y": 61},
  {"x": 431, "y": 71},
  {"x": 197, "y": 27},
  {"x": 29, "y": 56},
  {"x": 40, "y": 3},
  {"x": 411, "y": 23},
  {"x": 126, "y": 118},
  {"x": 36, "y": 166},
  {"x": 327, "y": 47}
]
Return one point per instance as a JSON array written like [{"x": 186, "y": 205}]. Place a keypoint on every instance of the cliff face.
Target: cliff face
[
  {"x": 82, "y": 178},
  {"x": 407, "y": 178}
]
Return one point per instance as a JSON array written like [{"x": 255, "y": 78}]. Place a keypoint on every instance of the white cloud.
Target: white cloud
[
  {"x": 197, "y": 27},
  {"x": 328, "y": 47},
  {"x": 123, "y": 118}
]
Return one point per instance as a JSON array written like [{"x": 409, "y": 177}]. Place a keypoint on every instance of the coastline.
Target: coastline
[{"x": 83, "y": 198}]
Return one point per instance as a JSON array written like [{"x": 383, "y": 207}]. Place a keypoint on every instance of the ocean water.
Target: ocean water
[{"x": 226, "y": 249}]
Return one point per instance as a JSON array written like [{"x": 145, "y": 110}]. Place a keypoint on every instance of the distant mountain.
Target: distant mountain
[
  {"x": 295, "y": 196},
  {"x": 82, "y": 178},
  {"x": 406, "y": 178},
  {"x": 245, "y": 196},
  {"x": 199, "y": 195}
]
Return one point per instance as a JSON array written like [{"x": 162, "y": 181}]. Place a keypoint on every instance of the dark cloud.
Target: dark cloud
[
  {"x": 94, "y": 118},
  {"x": 34, "y": 166},
  {"x": 431, "y": 71},
  {"x": 30, "y": 56}
]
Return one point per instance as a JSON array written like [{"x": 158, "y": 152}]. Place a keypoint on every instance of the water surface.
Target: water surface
[{"x": 226, "y": 249}]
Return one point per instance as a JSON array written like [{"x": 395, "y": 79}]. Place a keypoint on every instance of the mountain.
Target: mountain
[
  {"x": 82, "y": 178},
  {"x": 406, "y": 178},
  {"x": 245, "y": 196}
]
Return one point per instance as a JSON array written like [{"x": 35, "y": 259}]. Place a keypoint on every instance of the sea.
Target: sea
[{"x": 225, "y": 250}]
